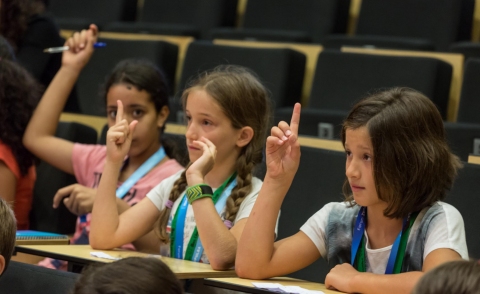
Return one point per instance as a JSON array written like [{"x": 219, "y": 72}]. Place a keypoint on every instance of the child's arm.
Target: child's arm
[
  {"x": 108, "y": 229},
  {"x": 39, "y": 135},
  {"x": 258, "y": 257},
  {"x": 346, "y": 279}
]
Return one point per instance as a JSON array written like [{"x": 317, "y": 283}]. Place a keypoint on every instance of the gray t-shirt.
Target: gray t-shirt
[{"x": 437, "y": 226}]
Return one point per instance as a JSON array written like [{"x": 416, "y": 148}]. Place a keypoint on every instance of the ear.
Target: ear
[
  {"x": 162, "y": 116},
  {"x": 2, "y": 264},
  {"x": 245, "y": 136}
]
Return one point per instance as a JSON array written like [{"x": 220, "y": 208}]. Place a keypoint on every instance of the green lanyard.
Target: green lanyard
[
  {"x": 193, "y": 239},
  {"x": 360, "y": 263}
]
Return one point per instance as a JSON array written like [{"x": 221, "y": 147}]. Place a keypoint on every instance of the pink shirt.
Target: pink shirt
[{"x": 88, "y": 162}]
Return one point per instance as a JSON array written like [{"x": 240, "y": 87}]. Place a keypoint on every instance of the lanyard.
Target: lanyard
[
  {"x": 397, "y": 253},
  {"x": 150, "y": 163},
  {"x": 195, "y": 248}
]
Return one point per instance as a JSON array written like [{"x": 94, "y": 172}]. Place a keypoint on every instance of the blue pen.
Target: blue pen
[{"x": 65, "y": 48}]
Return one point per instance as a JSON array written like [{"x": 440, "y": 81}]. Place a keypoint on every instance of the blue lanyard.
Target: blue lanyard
[
  {"x": 180, "y": 227},
  {"x": 150, "y": 163},
  {"x": 358, "y": 235}
]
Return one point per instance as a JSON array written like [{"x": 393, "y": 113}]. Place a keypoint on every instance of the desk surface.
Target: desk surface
[
  {"x": 475, "y": 159},
  {"x": 81, "y": 254},
  {"x": 245, "y": 285}
]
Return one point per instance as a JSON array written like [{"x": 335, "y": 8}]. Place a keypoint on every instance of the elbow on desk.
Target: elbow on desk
[
  {"x": 249, "y": 272},
  {"x": 99, "y": 244}
]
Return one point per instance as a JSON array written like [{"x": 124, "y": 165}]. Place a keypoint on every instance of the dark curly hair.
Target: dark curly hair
[
  {"x": 19, "y": 94},
  {"x": 14, "y": 16}
]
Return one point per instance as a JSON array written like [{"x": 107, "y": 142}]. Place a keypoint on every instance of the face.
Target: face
[
  {"x": 205, "y": 118},
  {"x": 359, "y": 167},
  {"x": 139, "y": 106}
]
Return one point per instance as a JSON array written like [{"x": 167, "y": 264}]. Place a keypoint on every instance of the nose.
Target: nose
[
  {"x": 351, "y": 169},
  {"x": 191, "y": 133}
]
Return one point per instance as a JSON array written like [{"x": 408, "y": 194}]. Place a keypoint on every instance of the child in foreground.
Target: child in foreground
[{"x": 392, "y": 226}]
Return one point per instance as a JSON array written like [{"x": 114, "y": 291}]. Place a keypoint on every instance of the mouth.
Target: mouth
[
  {"x": 191, "y": 147},
  {"x": 356, "y": 188}
]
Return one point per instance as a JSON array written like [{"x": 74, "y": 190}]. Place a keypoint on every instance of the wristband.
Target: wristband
[{"x": 199, "y": 191}]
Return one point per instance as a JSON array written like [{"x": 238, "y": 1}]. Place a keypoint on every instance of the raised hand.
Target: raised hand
[
  {"x": 81, "y": 48},
  {"x": 283, "y": 150},
  {"x": 77, "y": 198},
  {"x": 197, "y": 170},
  {"x": 119, "y": 136}
]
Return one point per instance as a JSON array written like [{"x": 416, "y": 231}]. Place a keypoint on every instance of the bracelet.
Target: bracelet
[{"x": 199, "y": 191}]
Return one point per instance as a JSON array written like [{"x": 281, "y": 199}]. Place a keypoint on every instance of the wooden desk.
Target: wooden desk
[
  {"x": 474, "y": 159},
  {"x": 79, "y": 255},
  {"x": 245, "y": 285}
]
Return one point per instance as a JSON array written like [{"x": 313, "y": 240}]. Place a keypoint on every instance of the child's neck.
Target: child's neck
[
  {"x": 381, "y": 230},
  {"x": 219, "y": 174}
]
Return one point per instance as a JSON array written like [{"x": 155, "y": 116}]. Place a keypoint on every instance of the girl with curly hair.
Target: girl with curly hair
[{"x": 19, "y": 94}]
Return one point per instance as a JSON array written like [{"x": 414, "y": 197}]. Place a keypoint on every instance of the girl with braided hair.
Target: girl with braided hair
[{"x": 227, "y": 110}]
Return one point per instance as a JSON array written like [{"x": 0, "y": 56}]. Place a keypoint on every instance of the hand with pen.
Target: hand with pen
[{"x": 80, "y": 48}]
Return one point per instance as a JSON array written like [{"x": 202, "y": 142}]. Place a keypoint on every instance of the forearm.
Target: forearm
[
  {"x": 219, "y": 244},
  {"x": 149, "y": 243},
  {"x": 393, "y": 284},
  {"x": 46, "y": 116},
  {"x": 256, "y": 245},
  {"x": 105, "y": 213}
]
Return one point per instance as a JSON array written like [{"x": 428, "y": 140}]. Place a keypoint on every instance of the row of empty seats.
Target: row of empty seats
[{"x": 400, "y": 24}]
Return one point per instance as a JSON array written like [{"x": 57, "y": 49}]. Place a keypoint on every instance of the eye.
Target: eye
[
  {"x": 112, "y": 114},
  {"x": 348, "y": 153},
  {"x": 206, "y": 122},
  {"x": 367, "y": 157},
  {"x": 137, "y": 113}
]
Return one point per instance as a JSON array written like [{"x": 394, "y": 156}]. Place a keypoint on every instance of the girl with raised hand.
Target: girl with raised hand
[
  {"x": 143, "y": 91},
  {"x": 200, "y": 212},
  {"x": 392, "y": 226}
]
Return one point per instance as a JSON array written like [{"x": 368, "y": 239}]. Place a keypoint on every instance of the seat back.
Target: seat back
[
  {"x": 23, "y": 278},
  {"x": 341, "y": 79},
  {"x": 316, "y": 17},
  {"x": 435, "y": 20},
  {"x": 469, "y": 106},
  {"x": 43, "y": 217},
  {"x": 318, "y": 181},
  {"x": 204, "y": 14},
  {"x": 162, "y": 54},
  {"x": 461, "y": 138},
  {"x": 99, "y": 12},
  {"x": 280, "y": 70},
  {"x": 464, "y": 196}
]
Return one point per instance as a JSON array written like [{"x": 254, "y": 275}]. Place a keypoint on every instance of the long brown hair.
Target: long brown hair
[
  {"x": 412, "y": 163},
  {"x": 243, "y": 99}
]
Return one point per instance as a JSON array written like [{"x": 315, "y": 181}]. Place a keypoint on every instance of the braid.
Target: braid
[
  {"x": 245, "y": 164},
  {"x": 178, "y": 187}
]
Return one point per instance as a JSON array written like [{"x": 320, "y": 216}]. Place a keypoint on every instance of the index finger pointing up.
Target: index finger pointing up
[
  {"x": 295, "y": 121},
  {"x": 119, "y": 116}
]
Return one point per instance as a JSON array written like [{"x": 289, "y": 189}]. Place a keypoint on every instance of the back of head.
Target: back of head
[
  {"x": 412, "y": 163},
  {"x": 8, "y": 229},
  {"x": 129, "y": 276},
  {"x": 458, "y": 277},
  {"x": 19, "y": 95},
  {"x": 6, "y": 50}
]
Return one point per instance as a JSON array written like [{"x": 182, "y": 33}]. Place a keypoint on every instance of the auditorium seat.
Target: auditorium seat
[
  {"x": 469, "y": 106},
  {"x": 289, "y": 21}
]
